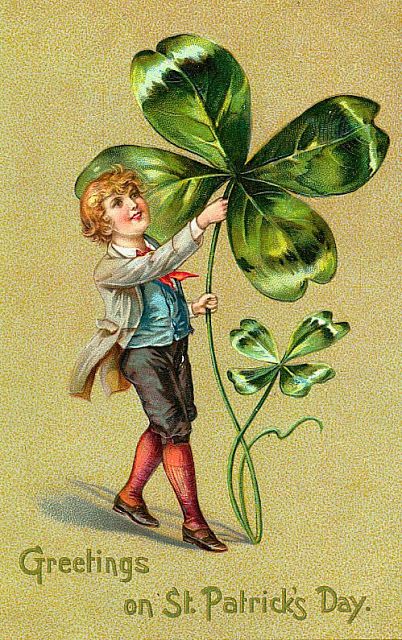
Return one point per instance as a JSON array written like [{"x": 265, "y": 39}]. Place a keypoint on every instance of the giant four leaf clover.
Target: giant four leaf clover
[{"x": 196, "y": 95}]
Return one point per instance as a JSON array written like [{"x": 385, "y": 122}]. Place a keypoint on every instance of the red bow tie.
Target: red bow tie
[{"x": 167, "y": 279}]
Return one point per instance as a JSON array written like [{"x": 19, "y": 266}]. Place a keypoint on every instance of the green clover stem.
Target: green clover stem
[
  {"x": 281, "y": 435},
  {"x": 240, "y": 514},
  {"x": 243, "y": 520},
  {"x": 239, "y": 440}
]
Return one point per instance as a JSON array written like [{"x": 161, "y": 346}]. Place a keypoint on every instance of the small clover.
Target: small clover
[{"x": 316, "y": 332}]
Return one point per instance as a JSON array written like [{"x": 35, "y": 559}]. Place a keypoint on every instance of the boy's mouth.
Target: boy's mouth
[{"x": 136, "y": 215}]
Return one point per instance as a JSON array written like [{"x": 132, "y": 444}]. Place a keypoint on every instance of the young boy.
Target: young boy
[{"x": 143, "y": 339}]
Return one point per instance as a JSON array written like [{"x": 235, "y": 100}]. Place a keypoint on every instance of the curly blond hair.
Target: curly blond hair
[{"x": 95, "y": 223}]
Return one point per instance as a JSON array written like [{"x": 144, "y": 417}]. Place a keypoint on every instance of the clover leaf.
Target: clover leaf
[
  {"x": 331, "y": 149},
  {"x": 278, "y": 241},
  {"x": 316, "y": 332},
  {"x": 196, "y": 95}
]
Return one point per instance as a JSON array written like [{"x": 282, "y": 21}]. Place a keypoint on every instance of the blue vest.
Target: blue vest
[{"x": 165, "y": 317}]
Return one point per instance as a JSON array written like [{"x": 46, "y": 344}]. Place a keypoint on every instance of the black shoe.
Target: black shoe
[
  {"x": 204, "y": 538},
  {"x": 138, "y": 514}
]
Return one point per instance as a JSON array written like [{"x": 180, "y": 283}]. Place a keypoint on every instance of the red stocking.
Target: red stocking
[
  {"x": 179, "y": 468},
  {"x": 148, "y": 455}
]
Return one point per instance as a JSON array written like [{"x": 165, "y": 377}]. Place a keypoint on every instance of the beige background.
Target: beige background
[{"x": 330, "y": 501}]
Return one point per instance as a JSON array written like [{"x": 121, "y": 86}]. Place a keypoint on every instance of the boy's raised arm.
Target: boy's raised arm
[{"x": 119, "y": 271}]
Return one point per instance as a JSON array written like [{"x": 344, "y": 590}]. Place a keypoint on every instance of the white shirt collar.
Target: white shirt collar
[{"x": 129, "y": 252}]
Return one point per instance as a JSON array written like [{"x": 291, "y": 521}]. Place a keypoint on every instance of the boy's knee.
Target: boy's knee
[{"x": 180, "y": 439}]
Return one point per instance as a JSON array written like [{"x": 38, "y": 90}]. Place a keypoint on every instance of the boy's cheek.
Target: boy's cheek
[{"x": 122, "y": 218}]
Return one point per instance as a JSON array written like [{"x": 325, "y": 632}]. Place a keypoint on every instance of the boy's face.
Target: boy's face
[{"x": 129, "y": 213}]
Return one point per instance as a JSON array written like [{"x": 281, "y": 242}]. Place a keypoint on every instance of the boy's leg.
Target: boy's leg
[
  {"x": 129, "y": 500},
  {"x": 149, "y": 369},
  {"x": 148, "y": 456},
  {"x": 179, "y": 464},
  {"x": 179, "y": 467}
]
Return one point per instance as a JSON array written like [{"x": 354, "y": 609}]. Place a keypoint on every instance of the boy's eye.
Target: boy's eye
[{"x": 117, "y": 202}]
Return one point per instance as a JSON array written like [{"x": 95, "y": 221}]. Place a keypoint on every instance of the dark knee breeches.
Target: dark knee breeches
[{"x": 163, "y": 381}]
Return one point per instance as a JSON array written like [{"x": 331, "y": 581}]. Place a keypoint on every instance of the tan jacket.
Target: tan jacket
[{"x": 117, "y": 279}]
